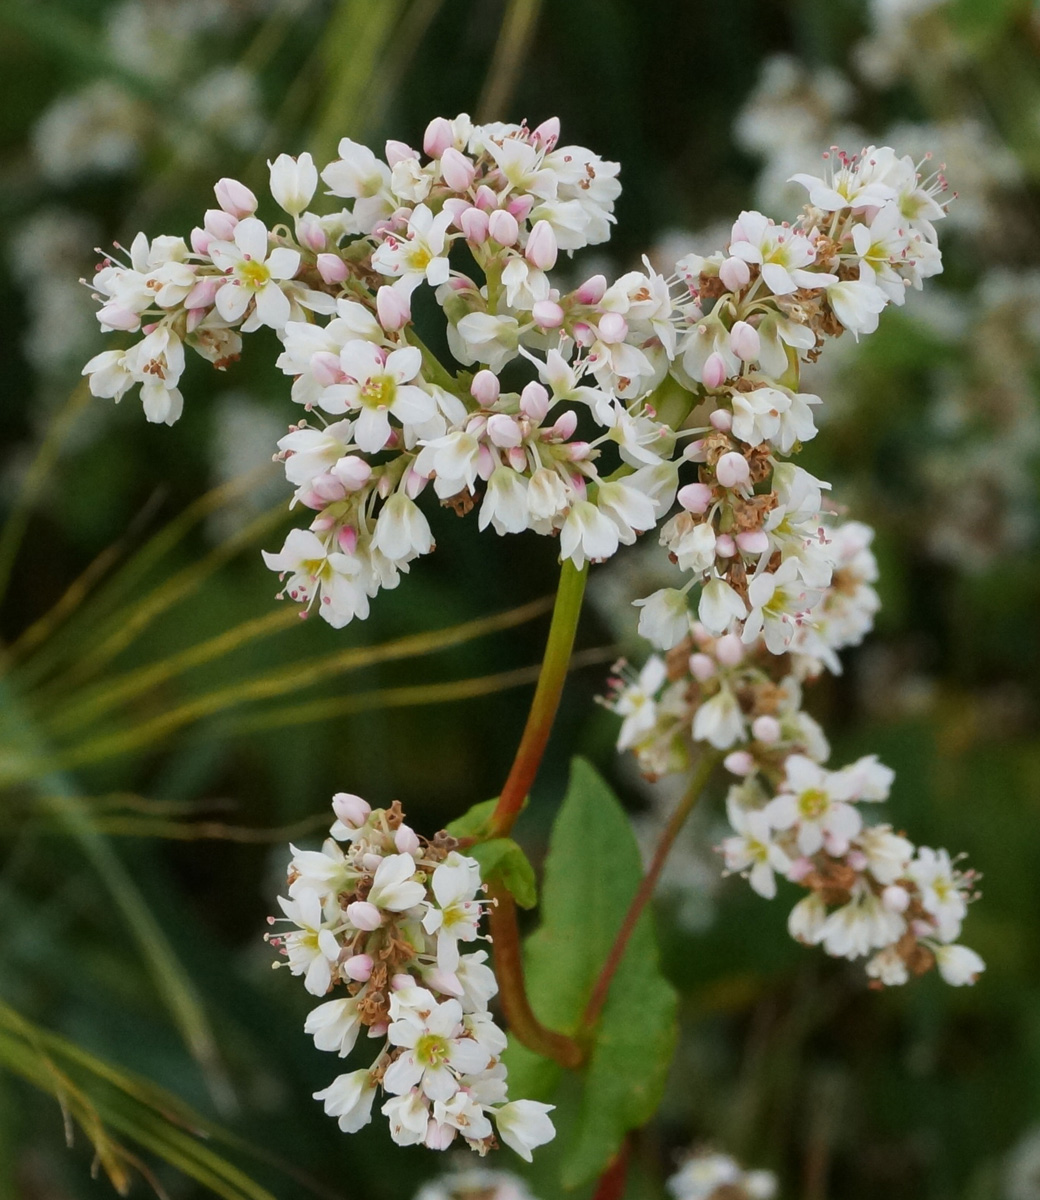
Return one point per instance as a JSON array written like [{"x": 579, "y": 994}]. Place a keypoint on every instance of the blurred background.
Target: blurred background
[{"x": 165, "y": 727}]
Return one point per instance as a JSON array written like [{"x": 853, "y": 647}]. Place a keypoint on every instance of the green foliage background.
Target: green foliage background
[{"x": 154, "y": 765}]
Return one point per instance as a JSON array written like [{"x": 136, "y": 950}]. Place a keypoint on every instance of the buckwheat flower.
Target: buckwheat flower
[
  {"x": 861, "y": 925},
  {"x": 254, "y": 275},
  {"x": 807, "y": 921},
  {"x": 813, "y": 802},
  {"x": 779, "y": 600},
  {"x": 422, "y": 255},
  {"x": 753, "y": 847},
  {"x": 462, "y": 1115},
  {"x": 888, "y": 854},
  {"x": 847, "y": 187},
  {"x": 293, "y": 182},
  {"x": 958, "y": 965},
  {"x": 486, "y": 338},
  {"x": 719, "y": 606},
  {"x": 394, "y": 887},
  {"x": 636, "y": 705},
  {"x": 476, "y": 980},
  {"x": 434, "y": 1052},
  {"x": 358, "y": 175},
  {"x": 312, "y": 948},
  {"x": 379, "y": 385},
  {"x": 888, "y": 967},
  {"x": 409, "y": 1118},
  {"x": 349, "y": 1098},
  {"x": 781, "y": 251},
  {"x": 720, "y": 721},
  {"x": 858, "y": 304},
  {"x": 587, "y": 533},
  {"x": 334, "y": 1025},
  {"x": 457, "y": 915},
  {"x": 402, "y": 532},
  {"x": 940, "y": 887},
  {"x": 505, "y": 502},
  {"x": 525, "y": 1125},
  {"x": 664, "y": 617}
]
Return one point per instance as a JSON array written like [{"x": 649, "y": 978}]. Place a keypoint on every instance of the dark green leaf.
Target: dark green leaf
[{"x": 501, "y": 860}]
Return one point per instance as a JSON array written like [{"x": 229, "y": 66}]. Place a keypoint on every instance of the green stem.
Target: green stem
[
  {"x": 546, "y": 700},
  {"x": 646, "y": 889}
]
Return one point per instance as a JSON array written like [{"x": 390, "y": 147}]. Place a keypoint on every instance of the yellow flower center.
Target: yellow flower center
[
  {"x": 813, "y": 803},
  {"x": 254, "y": 274}
]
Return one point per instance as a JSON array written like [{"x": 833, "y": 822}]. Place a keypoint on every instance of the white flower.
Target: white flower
[
  {"x": 958, "y": 965},
  {"x": 525, "y": 1124},
  {"x": 940, "y": 888},
  {"x": 254, "y": 276},
  {"x": 422, "y": 254},
  {"x": 781, "y": 251},
  {"x": 505, "y": 502},
  {"x": 813, "y": 802},
  {"x": 408, "y": 1116},
  {"x": 477, "y": 981},
  {"x": 719, "y": 606},
  {"x": 357, "y": 174},
  {"x": 402, "y": 532},
  {"x": 349, "y": 1097},
  {"x": 808, "y": 919},
  {"x": 458, "y": 915},
  {"x": 334, "y": 1025},
  {"x": 862, "y": 925},
  {"x": 587, "y": 533},
  {"x": 486, "y": 338},
  {"x": 664, "y": 618},
  {"x": 293, "y": 182},
  {"x": 436, "y": 1052},
  {"x": 636, "y": 703},
  {"x": 857, "y": 304},
  {"x": 720, "y": 721},
  {"x": 378, "y": 385},
  {"x": 779, "y": 602},
  {"x": 753, "y": 847},
  {"x": 312, "y": 947},
  {"x": 888, "y": 967},
  {"x": 888, "y": 854},
  {"x": 394, "y": 887}
]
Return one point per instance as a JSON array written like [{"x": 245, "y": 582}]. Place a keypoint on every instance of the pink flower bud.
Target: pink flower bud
[
  {"x": 347, "y": 539},
  {"x": 744, "y": 341},
  {"x": 474, "y": 225},
  {"x": 398, "y": 151},
  {"x": 503, "y": 227},
  {"x": 753, "y": 541},
  {"x": 722, "y": 420},
  {"x": 485, "y": 388},
  {"x": 504, "y": 431},
  {"x": 438, "y": 1136},
  {"x": 414, "y": 483},
  {"x": 565, "y": 425},
  {"x": 766, "y": 729},
  {"x": 734, "y": 274},
  {"x": 695, "y": 497},
  {"x": 729, "y": 650},
  {"x": 486, "y": 463},
  {"x": 547, "y": 314},
  {"x": 740, "y": 762},
  {"x": 393, "y": 307},
  {"x": 702, "y": 667},
  {"x": 613, "y": 328},
  {"x": 800, "y": 868},
  {"x": 591, "y": 291},
  {"x": 235, "y": 198},
  {"x": 895, "y": 898},
  {"x": 725, "y": 546},
  {"x": 352, "y": 471},
  {"x": 534, "y": 402},
  {"x": 332, "y": 268},
  {"x": 583, "y": 333},
  {"x": 714, "y": 371},
  {"x": 443, "y": 981},
  {"x": 485, "y": 199},
  {"x": 457, "y": 170},
  {"x": 695, "y": 451},
  {"x": 541, "y": 249},
  {"x": 438, "y": 137},
  {"x": 200, "y": 241},
  {"x": 378, "y": 1030},
  {"x": 400, "y": 981},
  {"x": 351, "y": 809},
  {"x": 857, "y": 860},
  {"x": 115, "y": 316},
  {"x": 310, "y": 232},
  {"x": 327, "y": 488},
  {"x": 520, "y": 207},
  {"x": 358, "y": 967},
  {"x": 548, "y": 133},
  {"x": 406, "y": 840},
  {"x": 219, "y": 224},
  {"x": 363, "y": 915},
  {"x": 576, "y": 451},
  {"x": 732, "y": 469}
]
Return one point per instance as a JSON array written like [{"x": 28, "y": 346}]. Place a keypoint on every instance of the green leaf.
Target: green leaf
[
  {"x": 501, "y": 860},
  {"x": 473, "y": 823},
  {"x": 592, "y": 872}
]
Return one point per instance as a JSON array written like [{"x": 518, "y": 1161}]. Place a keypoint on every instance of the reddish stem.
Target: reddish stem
[
  {"x": 611, "y": 1184},
  {"x": 645, "y": 891}
]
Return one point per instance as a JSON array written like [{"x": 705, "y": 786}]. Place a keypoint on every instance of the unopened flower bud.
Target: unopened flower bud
[
  {"x": 895, "y": 898},
  {"x": 504, "y": 431},
  {"x": 541, "y": 249},
  {"x": 331, "y": 268},
  {"x": 520, "y": 207},
  {"x": 351, "y": 809},
  {"x": 713, "y": 373},
  {"x": 729, "y": 650},
  {"x": 438, "y": 137},
  {"x": 702, "y": 667},
  {"x": 327, "y": 488},
  {"x": 753, "y": 541},
  {"x": 732, "y": 469},
  {"x": 220, "y": 224},
  {"x": 725, "y": 546},
  {"x": 695, "y": 451},
  {"x": 115, "y": 316},
  {"x": 534, "y": 402},
  {"x": 474, "y": 225},
  {"x": 293, "y": 182},
  {"x": 363, "y": 915},
  {"x": 735, "y": 273},
  {"x": 406, "y": 840},
  {"x": 566, "y": 424},
  {"x": 503, "y": 227},
  {"x": 766, "y": 729},
  {"x": 739, "y": 762},
  {"x": 393, "y": 307},
  {"x": 547, "y": 314},
  {"x": 311, "y": 233},
  {"x": 395, "y": 152},
  {"x": 695, "y": 497},
  {"x": 457, "y": 169},
  {"x": 235, "y": 198},
  {"x": 400, "y": 981},
  {"x": 744, "y": 341},
  {"x": 722, "y": 420},
  {"x": 613, "y": 328},
  {"x": 358, "y": 967},
  {"x": 346, "y": 539},
  {"x": 200, "y": 241},
  {"x": 591, "y": 291},
  {"x": 352, "y": 471},
  {"x": 439, "y": 1136},
  {"x": 485, "y": 388},
  {"x": 485, "y": 199}
]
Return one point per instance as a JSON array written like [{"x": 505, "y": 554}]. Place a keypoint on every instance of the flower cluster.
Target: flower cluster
[
  {"x": 475, "y": 1183},
  {"x": 632, "y": 381},
  {"x": 380, "y": 913},
  {"x": 714, "y": 1176}
]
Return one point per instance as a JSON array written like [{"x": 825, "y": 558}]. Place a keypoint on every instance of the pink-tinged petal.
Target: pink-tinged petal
[
  {"x": 272, "y": 306},
  {"x": 225, "y": 254},
  {"x": 232, "y": 301},
  {"x": 360, "y": 360},
  {"x": 251, "y": 238},
  {"x": 283, "y": 263},
  {"x": 404, "y": 364}
]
